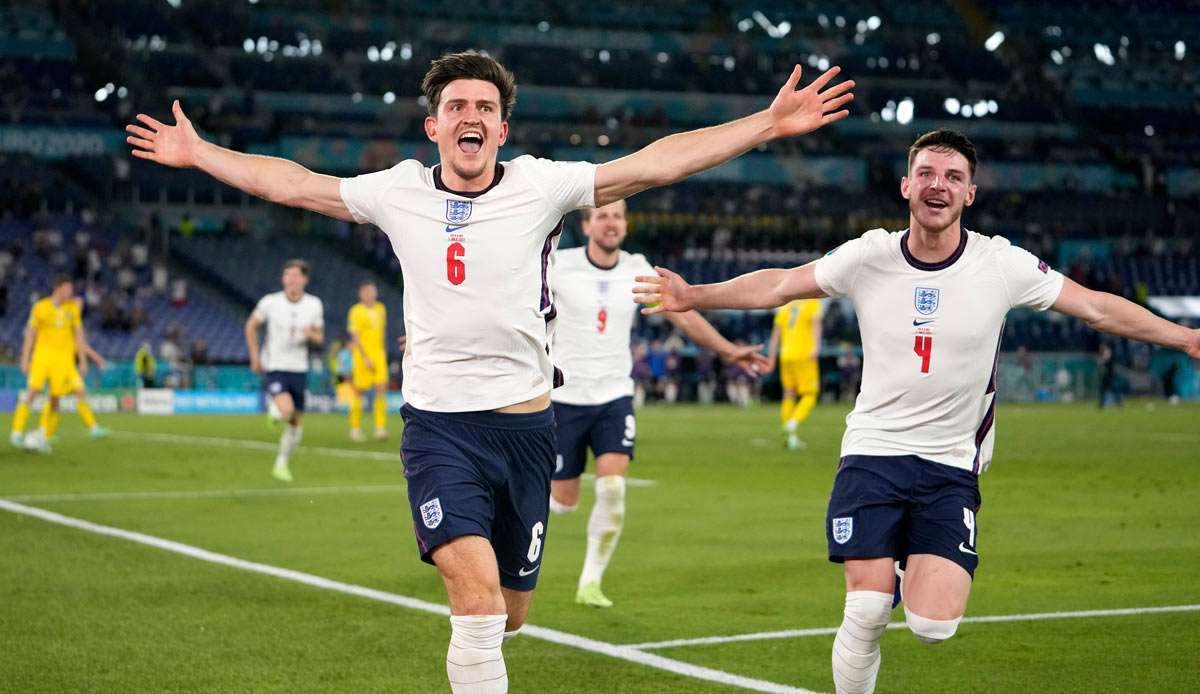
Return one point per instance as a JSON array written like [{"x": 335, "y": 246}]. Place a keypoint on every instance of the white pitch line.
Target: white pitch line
[
  {"x": 988, "y": 619},
  {"x": 563, "y": 638},
  {"x": 268, "y": 446},
  {"x": 209, "y": 493}
]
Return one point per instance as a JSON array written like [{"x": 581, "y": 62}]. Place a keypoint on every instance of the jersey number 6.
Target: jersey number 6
[
  {"x": 924, "y": 349},
  {"x": 456, "y": 270}
]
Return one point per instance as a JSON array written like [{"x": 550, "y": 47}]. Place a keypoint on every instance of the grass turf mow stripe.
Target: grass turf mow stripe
[
  {"x": 552, "y": 635},
  {"x": 988, "y": 619}
]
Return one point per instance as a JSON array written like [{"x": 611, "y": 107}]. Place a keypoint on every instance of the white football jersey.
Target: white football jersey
[
  {"x": 931, "y": 341},
  {"x": 286, "y": 348},
  {"x": 478, "y": 307},
  {"x": 595, "y": 318}
]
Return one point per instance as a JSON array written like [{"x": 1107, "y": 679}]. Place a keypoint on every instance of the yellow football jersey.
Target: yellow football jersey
[
  {"x": 55, "y": 326},
  {"x": 795, "y": 321},
  {"x": 369, "y": 325}
]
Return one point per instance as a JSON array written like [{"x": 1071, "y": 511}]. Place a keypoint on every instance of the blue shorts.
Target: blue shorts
[
  {"x": 894, "y": 506},
  {"x": 291, "y": 382},
  {"x": 481, "y": 473},
  {"x": 607, "y": 428}
]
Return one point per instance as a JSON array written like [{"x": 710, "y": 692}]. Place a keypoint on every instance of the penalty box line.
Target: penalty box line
[
  {"x": 986, "y": 619},
  {"x": 251, "y": 444},
  {"x": 562, "y": 638}
]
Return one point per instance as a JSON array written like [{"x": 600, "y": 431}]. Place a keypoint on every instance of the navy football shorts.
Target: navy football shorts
[
  {"x": 894, "y": 506},
  {"x": 481, "y": 473},
  {"x": 607, "y": 428},
  {"x": 291, "y": 382}
]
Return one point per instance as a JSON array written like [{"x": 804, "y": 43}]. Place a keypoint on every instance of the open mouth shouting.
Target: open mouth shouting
[
  {"x": 470, "y": 141},
  {"x": 936, "y": 204}
]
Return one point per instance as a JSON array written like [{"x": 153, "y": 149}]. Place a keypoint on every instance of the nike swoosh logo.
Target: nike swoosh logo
[
  {"x": 963, "y": 548},
  {"x": 523, "y": 572},
  {"x": 923, "y": 322},
  {"x": 450, "y": 229}
]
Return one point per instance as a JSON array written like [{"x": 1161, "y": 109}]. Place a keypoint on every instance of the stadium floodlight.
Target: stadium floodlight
[
  {"x": 604, "y": 55},
  {"x": 981, "y": 108},
  {"x": 823, "y": 63},
  {"x": 122, "y": 92},
  {"x": 952, "y": 105},
  {"x": 874, "y": 22},
  {"x": 992, "y": 106},
  {"x": 101, "y": 94},
  {"x": 729, "y": 63},
  {"x": 389, "y": 97},
  {"x": 783, "y": 28},
  {"x": 248, "y": 45},
  {"x": 993, "y": 42},
  {"x": 933, "y": 38},
  {"x": 745, "y": 24},
  {"x": 1149, "y": 130},
  {"x": 543, "y": 26},
  {"x": 823, "y": 21},
  {"x": 373, "y": 54},
  {"x": 1104, "y": 54},
  {"x": 966, "y": 110},
  {"x": 904, "y": 111},
  {"x": 406, "y": 51},
  {"x": 1180, "y": 50},
  {"x": 356, "y": 97},
  {"x": 1056, "y": 56}
]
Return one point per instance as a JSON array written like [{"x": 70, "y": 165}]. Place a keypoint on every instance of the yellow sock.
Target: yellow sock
[
  {"x": 380, "y": 412},
  {"x": 785, "y": 409},
  {"x": 20, "y": 418},
  {"x": 356, "y": 411},
  {"x": 49, "y": 421},
  {"x": 85, "y": 413},
  {"x": 805, "y": 407}
]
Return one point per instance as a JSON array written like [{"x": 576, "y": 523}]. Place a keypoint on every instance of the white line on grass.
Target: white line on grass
[
  {"x": 829, "y": 631},
  {"x": 268, "y": 446},
  {"x": 552, "y": 635},
  {"x": 210, "y": 493}
]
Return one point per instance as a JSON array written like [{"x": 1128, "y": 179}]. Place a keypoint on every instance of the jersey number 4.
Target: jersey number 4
[
  {"x": 456, "y": 270},
  {"x": 924, "y": 349}
]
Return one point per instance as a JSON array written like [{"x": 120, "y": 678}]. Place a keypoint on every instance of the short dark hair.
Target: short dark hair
[
  {"x": 366, "y": 281},
  {"x": 469, "y": 65},
  {"x": 944, "y": 140},
  {"x": 298, "y": 263},
  {"x": 60, "y": 280}
]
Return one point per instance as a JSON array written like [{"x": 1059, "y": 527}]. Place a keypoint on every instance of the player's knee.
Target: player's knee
[
  {"x": 930, "y": 630},
  {"x": 557, "y": 506}
]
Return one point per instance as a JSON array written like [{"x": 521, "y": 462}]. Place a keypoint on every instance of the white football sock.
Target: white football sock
[
  {"x": 474, "y": 662},
  {"x": 856, "y": 654},
  {"x": 604, "y": 527}
]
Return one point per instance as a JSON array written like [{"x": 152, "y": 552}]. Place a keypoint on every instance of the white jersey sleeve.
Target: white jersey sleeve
[
  {"x": 364, "y": 195},
  {"x": 837, "y": 271},
  {"x": 1031, "y": 283},
  {"x": 569, "y": 185}
]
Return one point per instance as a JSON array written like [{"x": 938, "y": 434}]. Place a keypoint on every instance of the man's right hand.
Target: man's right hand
[
  {"x": 666, "y": 291},
  {"x": 170, "y": 145},
  {"x": 25, "y": 367}
]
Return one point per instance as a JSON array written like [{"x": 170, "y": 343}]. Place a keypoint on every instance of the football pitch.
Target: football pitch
[{"x": 167, "y": 559}]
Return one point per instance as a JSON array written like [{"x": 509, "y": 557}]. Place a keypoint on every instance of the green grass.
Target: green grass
[{"x": 1082, "y": 510}]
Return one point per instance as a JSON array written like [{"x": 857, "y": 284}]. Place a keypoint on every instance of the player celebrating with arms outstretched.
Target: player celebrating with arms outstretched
[
  {"x": 594, "y": 409},
  {"x": 475, "y": 238},
  {"x": 931, "y": 302}
]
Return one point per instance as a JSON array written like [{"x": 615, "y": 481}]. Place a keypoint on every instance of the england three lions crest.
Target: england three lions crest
[
  {"x": 843, "y": 528},
  {"x": 458, "y": 211},
  {"x": 431, "y": 513},
  {"x": 926, "y": 300}
]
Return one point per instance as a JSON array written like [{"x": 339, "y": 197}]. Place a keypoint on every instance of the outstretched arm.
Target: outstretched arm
[
  {"x": 759, "y": 289},
  {"x": 1114, "y": 315},
  {"x": 270, "y": 178},
  {"x": 675, "y": 157},
  {"x": 694, "y": 325}
]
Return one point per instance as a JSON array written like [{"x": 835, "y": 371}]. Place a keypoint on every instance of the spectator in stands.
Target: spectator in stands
[
  {"x": 172, "y": 357},
  {"x": 849, "y": 370},
  {"x": 738, "y": 384},
  {"x": 179, "y": 292},
  {"x": 113, "y": 315},
  {"x": 159, "y": 277},
  {"x": 706, "y": 377},
  {"x": 187, "y": 227},
  {"x": 1110, "y": 393},
  {"x": 643, "y": 377}
]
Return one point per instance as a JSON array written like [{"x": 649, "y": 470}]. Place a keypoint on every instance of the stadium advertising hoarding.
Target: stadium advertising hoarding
[
  {"x": 102, "y": 401},
  {"x": 165, "y": 401}
]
